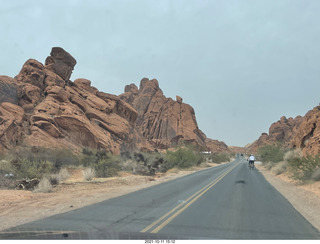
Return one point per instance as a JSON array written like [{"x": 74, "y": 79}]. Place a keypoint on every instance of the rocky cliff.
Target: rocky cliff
[
  {"x": 307, "y": 135},
  {"x": 162, "y": 121},
  {"x": 300, "y": 132},
  {"x": 41, "y": 106}
]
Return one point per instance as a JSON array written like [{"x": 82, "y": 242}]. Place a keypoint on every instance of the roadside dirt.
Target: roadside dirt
[
  {"x": 304, "y": 198},
  {"x": 19, "y": 206}
]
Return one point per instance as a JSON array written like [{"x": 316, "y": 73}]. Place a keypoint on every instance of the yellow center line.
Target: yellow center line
[
  {"x": 172, "y": 210},
  {"x": 187, "y": 203}
]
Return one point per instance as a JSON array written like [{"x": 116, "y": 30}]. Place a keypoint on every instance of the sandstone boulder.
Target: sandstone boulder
[{"x": 61, "y": 63}]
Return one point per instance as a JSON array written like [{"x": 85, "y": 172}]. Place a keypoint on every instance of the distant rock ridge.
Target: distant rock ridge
[
  {"x": 42, "y": 107},
  {"x": 298, "y": 133}
]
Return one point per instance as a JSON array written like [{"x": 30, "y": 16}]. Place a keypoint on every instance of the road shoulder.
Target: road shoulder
[{"x": 304, "y": 198}]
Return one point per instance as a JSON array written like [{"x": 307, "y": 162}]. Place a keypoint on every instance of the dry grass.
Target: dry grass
[
  {"x": 280, "y": 168},
  {"x": 63, "y": 174},
  {"x": 88, "y": 174},
  {"x": 43, "y": 186}
]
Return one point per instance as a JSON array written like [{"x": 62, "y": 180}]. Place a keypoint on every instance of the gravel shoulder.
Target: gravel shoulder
[{"x": 304, "y": 198}]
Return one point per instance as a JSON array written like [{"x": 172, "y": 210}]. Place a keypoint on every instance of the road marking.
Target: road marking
[{"x": 173, "y": 213}]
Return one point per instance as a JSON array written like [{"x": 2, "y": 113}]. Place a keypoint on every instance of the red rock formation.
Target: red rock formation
[
  {"x": 161, "y": 120},
  {"x": 61, "y": 63},
  {"x": 42, "y": 107},
  {"x": 301, "y": 132},
  {"x": 216, "y": 146},
  {"x": 307, "y": 135},
  {"x": 279, "y": 132}
]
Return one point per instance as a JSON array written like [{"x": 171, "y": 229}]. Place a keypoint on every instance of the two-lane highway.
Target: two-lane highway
[{"x": 225, "y": 202}]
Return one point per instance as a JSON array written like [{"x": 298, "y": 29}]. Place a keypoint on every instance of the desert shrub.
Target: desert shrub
[
  {"x": 89, "y": 174},
  {"x": 297, "y": 153},
  {"x": 88, "y": 158},
  {"x": 31, "y": 169},
  {"x": 7, "y": 174},
  {"x": 184, "y": 157},
  {"x": 44, "y": 185},
  {"x": 58, "y": 157},
  {"x": 316, "y": 175},
  {"x": 63, "y": 174},
  {"x": 149, "y": 163},
  {"x": 53, "y": 179},
  {"x": 104, "y": 163},
  {"x": 271, "y": 153},
  {"x": 107, "y": 166},
  {"x": 268, "y": 165},
  {"x": 303, "y": 168},
  {"x": 144, "y": 163},
  {"x": 280, "y": 168},
  {"x": 220, "y": 158},
  {"x": 129, "y": 165},
  {"x": 6, "y": 167},
  {"x": 56, "y": 179}
]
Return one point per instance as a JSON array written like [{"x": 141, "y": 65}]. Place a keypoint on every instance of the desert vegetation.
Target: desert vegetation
[
  {"x": 299, "y": 167},
  {"x": 219, "y": 158},
  {"x": 50, "y": 167}
]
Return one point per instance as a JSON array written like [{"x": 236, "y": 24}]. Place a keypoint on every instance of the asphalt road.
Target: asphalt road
[{"x": 226, "y": 202}]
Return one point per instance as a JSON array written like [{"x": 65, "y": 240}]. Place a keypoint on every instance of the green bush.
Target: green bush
[
  {"x": 58, "y": 157},
  {"x": 316, "y": 175},
  {"x": 220, "y": 158},
  {"x": 25, "y": 168},
  {"x": 303, "y": 168},
  {"x": 104, "y": 164},
  {"x": 88, "y": 158},
  {"x": 107, "y": 166},
  {"x": 183, "y": 158},
  {"x": 271, "y": 153}
]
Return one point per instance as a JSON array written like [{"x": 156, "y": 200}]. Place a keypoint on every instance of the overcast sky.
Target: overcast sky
[{"x": 241, "y": 64}]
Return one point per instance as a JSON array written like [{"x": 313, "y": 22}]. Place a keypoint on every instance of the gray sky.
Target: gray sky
[{"x": 240, "y": 64}]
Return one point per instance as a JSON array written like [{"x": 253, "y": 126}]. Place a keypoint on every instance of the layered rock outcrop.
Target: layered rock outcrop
[
  {"x": 307, "y": 135},
  {"x": 279, "y": 132},
  {"x": 42, "y": 107},
  {"x": 301, "y": 133},
  {"x": 162, "y": 121}
]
